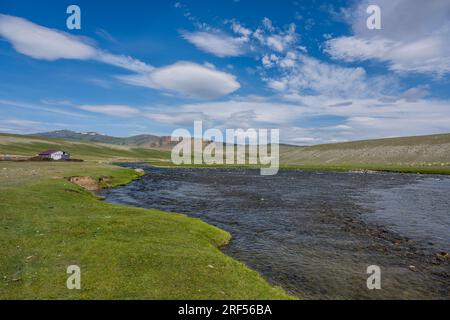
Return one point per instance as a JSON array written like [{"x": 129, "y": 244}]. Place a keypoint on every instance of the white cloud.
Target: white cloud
[
  {"x": 411, "y": 95},
  {"x": 416, "y": 93},
  {"x": 23, "y": 126},
  {"x": 289, "y": 61},
  {"x": 265, "y": 38},
  {"x": 234, "y": 113},
  {"x": 240, "y": 29},
  {"x": 19, "y": 126},
  {"x": 187, "y": 78},
  {"x": 125, "y": 62},
  {"x": 269, "y": 61},
  {"x": 218, "y": 44},
  {"x": 39, "y": 108},
  {"x": 275, "y": 42},
  {"x": 112, "y": 110},
  {"x": 274, "y": 38},
  {"x": 278, "y": 85},
  {"x": 176, "y": 118},
  {"x": 266, "y": 61},
  {"x": 328, "y": 79},
  {"x": 240, "y": 112},
  {"x": 370, "y": 119},
  {"x": 361, "y": 118},
  {"x": 353, "y": 49},
  {"x": 106, "y": 35},
  {"x": 49, "y": 44},
  {"x": 289, "y": 70},
  {"x": 307, "y": 74},
  {"x": 414, "y": 36},
  {"x": 267, "y": 23},
  {"x": 43, "y": 43}
]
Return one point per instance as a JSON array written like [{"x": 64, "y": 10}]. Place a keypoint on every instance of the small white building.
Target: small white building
[{"x": 55, "y": 155}]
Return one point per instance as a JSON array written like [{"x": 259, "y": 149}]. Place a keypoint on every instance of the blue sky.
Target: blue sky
[{"x": 310, "y": 68}]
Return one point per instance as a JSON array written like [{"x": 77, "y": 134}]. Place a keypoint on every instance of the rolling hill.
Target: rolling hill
[
  {"x": 88, "y": 150},
  {"x": 144, "y": 140},
  {"x": 418, "y": 150},
  {"x": 430, "y": 150}
]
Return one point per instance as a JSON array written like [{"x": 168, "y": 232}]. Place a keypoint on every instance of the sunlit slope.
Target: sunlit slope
[
  {"x": 30, "y": 146},
  {"x": 420, "y": 150}
]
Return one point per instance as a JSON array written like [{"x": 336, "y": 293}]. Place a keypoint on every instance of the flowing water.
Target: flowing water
[{"x": 315, "y": 233}]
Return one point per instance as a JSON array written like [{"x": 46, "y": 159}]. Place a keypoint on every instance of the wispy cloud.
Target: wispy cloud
[
  {"x": 125, "y": 62},
  {"x": 243, "y": 40},
  {"x": 23, "y": 126},
  {"x": 114, "y": 110},
  {"x": 219, "y": 44},
  {"x": 308, "y": 75},
  {"x": 409, "y": 113},
  {"x": 106, "y": 35},
  {"x": 40, "y": 108}
]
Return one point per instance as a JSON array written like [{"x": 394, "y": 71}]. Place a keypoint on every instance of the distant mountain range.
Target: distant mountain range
[{"x": 143, "y": 140}]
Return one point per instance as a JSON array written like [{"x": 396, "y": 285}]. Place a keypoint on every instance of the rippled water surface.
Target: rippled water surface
[{"x": 315, "y": 233}]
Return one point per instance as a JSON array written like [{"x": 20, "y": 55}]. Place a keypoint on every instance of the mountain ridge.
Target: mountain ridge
[{"x": 142, "y": 140}]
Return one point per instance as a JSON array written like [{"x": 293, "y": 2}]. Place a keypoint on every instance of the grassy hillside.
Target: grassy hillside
[
  {"x": 31, "y": 145},
  {"x": 78, "y": 136},
  {"x": 138, "y": 141},
  {"x": 432, "y": 150},
  {"x": 48, "y": 224},
  {"x": 427, "y": 154}
]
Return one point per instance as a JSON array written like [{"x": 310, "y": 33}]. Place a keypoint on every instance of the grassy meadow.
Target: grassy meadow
[
  {"x": 423, "y": 154},
  {"x": 31, "y": 146},
  {"x": 48, "y": 223}
]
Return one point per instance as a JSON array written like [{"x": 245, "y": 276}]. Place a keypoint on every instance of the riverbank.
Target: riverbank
[
  {"x": 315, "y": 233},
  {"x": 330, "y": 167},
  {"x": 423, "y": 154},
  {"x": 49, "y": 223}
]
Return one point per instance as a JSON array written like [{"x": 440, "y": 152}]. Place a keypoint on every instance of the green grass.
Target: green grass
[
  {"x": 400, "y": 168},
  {"x": 291, "y": 157},
  {"x": 48, "y": 224},
  {"x": 367, "y": 166},
  {"x": 30, "y": 146},
  {"x": 435, "y": 139}
]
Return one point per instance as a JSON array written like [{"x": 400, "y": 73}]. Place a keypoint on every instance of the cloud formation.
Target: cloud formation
[
  {"x": 311, "y": 100},
  {"x": 185, "y": 78},
  {"x": 113, "y": 110},
  {"x": 414, "y": 36},
  {"x": 307, "y": 75},
  {"x": 299, "y": 121},
  {"x": 188, "y": 78},
  {"x": 264, "y": 37},
  {"x": 43, "y": 43},
  {"x": 219, "y": 44}
]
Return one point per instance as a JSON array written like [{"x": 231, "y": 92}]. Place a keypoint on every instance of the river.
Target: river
[{"x": 315, "y": 233}]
